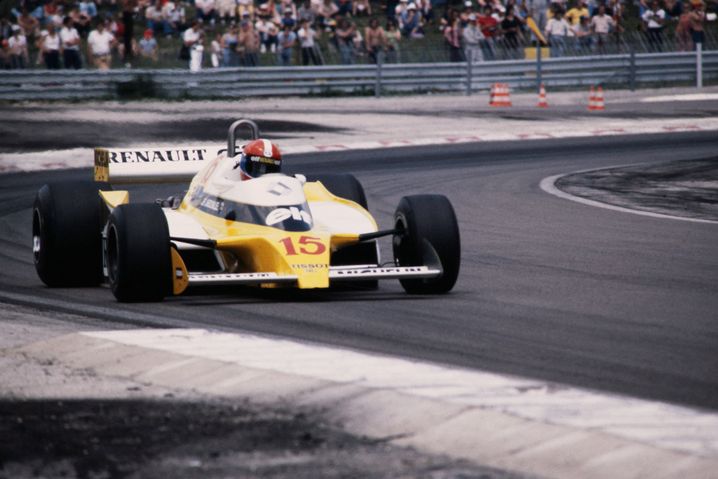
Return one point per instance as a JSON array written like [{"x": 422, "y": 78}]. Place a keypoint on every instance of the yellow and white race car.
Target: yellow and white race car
[{"x": 273, "y": 230}]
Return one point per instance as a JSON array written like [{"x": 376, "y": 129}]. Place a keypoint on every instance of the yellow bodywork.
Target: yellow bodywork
[
  {"x": 248, "y": 248},
  {"x": 305, "y": 254}
]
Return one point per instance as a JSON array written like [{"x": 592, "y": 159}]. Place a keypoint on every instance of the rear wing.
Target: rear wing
[{"x": 155, "y": 164}]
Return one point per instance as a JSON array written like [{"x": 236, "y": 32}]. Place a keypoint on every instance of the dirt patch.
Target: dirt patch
[
  {"x": 681, "y": 188},
  {"x": 178, "y": 439}
]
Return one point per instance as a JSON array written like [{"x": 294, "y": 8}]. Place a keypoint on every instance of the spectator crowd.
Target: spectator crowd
[{"x": 72, "y": 34}]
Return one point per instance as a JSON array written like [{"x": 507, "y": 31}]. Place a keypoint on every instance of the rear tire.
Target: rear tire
[
  {"x": 139, "y": 263},
  {"x": 67, "y": 223},
  {"x": 348, "y": 187},
  {"x": 430, "y": 235},
  {"x": 343, "y": 185}
]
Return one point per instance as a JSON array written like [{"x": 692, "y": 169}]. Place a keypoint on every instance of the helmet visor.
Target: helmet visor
[{"x": 256, "y": 166}]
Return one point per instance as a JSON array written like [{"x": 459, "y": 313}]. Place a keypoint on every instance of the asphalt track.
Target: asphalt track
[{"x": 549, "y": 288}]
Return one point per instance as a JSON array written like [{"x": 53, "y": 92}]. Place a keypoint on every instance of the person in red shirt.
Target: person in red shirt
[{"x": 489, "y": 27}]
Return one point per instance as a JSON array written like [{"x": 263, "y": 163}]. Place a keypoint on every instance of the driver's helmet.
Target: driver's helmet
[{"x": 258, "y": 158}]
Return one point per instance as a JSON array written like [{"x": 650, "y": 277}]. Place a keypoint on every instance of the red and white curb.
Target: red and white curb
[
  {"x": 498, "y": 420},
  {"x": 83, "y": 157}
]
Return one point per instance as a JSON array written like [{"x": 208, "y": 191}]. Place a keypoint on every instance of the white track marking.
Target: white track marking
[
  {"x": 657, "y": 424},
  {"x": 688, "y": 97},
  {"x": 548, "y": 185}
]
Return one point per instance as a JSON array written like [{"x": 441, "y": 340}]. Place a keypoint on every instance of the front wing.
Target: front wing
[{"x": 336, "y": 273}]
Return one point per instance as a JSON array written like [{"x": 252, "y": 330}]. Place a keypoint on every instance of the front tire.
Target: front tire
[
  {"x": 430, "y": 236},
  {"x": 138, "y": 256},
  {"x": 67, "y": 233}
]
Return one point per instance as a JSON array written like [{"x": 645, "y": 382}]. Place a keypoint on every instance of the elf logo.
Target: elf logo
[{"x": 283, "y": 214}]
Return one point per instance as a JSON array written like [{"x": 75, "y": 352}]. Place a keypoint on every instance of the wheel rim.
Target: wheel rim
[{"x": 36, "y": 235}]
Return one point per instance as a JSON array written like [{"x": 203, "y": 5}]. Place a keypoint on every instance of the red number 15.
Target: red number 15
[{"x": 308, "y": 245}]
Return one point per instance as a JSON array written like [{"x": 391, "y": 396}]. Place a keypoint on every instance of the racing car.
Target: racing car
[{"x": 240, "y": 222}]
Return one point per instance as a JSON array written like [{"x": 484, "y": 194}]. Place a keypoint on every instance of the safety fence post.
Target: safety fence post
[
  {"x": 632, "y": 70},
  {"x": 469, "y": 75},
  {"x": 539, "y": 80},
  {"x": 377, "y": 83},
  {"x": 699, "y": 65}
]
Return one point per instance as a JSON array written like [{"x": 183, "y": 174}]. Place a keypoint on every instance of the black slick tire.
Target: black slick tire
[
  {"x": 430, "y": 236},
  {"x": 139, "y": 263},
  {"x": 67, "y": 221}
]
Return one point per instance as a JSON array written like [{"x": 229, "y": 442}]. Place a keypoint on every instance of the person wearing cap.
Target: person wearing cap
[
  {"x": 288, "y": 19},
  {"x": 287, "y": 5},
  {"x": 17, "y": 44},
  {"x": 400, "y": 8},
  {"x": 471, "y": 36},
  {"x": 410, "y": 23},
  {"x": 148, "y": 45}
]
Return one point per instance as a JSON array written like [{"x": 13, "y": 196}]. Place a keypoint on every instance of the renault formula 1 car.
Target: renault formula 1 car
[{"x": 271, "y": 231}]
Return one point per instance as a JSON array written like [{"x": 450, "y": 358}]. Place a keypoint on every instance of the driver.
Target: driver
[{"x": 258, "y": 158}]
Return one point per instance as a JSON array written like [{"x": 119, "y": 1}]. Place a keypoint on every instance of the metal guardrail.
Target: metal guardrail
[{"x": 626, "y": 69}]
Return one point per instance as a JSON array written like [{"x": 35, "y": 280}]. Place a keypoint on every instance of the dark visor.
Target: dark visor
[{"x": 256, "y": 166}]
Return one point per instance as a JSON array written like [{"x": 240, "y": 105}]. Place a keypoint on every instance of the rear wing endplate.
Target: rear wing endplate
[{"x": 155, "y": 164}]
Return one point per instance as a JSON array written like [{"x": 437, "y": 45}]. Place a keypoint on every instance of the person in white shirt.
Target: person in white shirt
[
  {"x": 654, "y": 20},
  {"x": 307, "y": 36},
  {"x": 50, "y": 46},
  {"x": 70, "y": 45},
  {"x": 17, "y": 44},
  {"x": 100, "y": 42},
  {"x": 601, "y": 24},
  {"x": 557, "y": 29},
  {"x": 193, "y": 39}
]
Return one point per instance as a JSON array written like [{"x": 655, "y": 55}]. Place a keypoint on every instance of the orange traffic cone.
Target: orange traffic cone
[
  {"x": 501, "y": 95},
  {"x": 595, "y": 100},
  {"x": 542, "y": 102}
]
